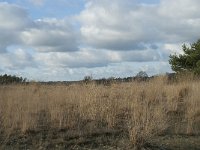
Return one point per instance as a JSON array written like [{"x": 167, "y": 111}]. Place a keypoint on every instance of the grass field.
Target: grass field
[{"x": 155, "y": 114}]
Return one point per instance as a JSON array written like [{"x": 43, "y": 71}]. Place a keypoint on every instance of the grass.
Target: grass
[{"x": 134, "y": 111}]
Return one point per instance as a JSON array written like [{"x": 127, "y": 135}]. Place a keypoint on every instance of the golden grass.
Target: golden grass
[{"x": 142, "y": 109}]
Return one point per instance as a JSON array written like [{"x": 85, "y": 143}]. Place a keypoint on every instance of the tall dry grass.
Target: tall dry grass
[{"x": 142, "y": 109}]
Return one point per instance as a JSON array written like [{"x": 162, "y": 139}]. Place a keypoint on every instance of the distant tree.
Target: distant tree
[
  {"x": 142, "y": 74},
  {"x": 189, "y": 61},
  {"x": 87, "y": 79},
  {"x": 111, "y": 78},
  {"x": 7, "y": 79}
]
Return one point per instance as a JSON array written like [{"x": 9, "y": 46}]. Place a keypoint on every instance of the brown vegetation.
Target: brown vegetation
[{"x": 138, "y": 110}]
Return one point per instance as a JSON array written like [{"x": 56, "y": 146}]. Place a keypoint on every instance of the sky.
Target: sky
[{"x": 64, "y": 40}]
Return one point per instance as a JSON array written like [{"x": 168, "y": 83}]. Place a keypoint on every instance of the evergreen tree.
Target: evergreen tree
[{"x": 189, "y": 61}]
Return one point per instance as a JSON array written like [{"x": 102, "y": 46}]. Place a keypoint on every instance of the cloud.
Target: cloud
[
  {"x": 37, "y": 2},
  {"x": 13, "y": 21},
  {"x": 125, "y": 25},
  {"x": 17, "y": 60},
  {"x": 51, "y": 35},
  {"x": 91, "y": 58},
  {"x": 13, "y": 17},
  {"x": 43, "y": 35},
  {"x": 83, "y": 58}
]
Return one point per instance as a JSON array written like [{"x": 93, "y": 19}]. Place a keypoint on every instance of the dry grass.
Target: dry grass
[{"x": 141, "y": 109}]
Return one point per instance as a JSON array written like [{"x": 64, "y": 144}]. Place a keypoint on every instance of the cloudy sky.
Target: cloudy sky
[{"x": 69, "y": 39}]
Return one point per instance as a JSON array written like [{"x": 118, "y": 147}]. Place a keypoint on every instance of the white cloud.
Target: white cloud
[
  {"x": 91, "y": 58},
  {"x": 125, "y": 25},
  {"x": 13, "y": 17},
  {"x": 182, "y": 9},
  {"x": 44, "y": 35},
  {"x": 51, "y": 35},
  {"x": 13, "y": 20},
  {"x": 83, "y": 58},
  {"x": 16, "y": 60}
]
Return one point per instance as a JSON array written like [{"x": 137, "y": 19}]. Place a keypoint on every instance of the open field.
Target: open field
[{"x": 155, "y": 114}]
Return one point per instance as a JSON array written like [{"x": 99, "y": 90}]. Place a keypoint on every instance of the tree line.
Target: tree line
[{"x": 11, "y": 79}]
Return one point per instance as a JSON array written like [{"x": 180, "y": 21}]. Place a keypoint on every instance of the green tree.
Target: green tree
[
  {"x": 189, "y": 61},
  {"x": 8, "y": 79}
]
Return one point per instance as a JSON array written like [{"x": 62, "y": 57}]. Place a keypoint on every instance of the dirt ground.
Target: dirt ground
[{"x": 101, "y": 140}]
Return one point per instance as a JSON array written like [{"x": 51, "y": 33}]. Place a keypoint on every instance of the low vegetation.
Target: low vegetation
[{"x": 129, "y": 115}]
